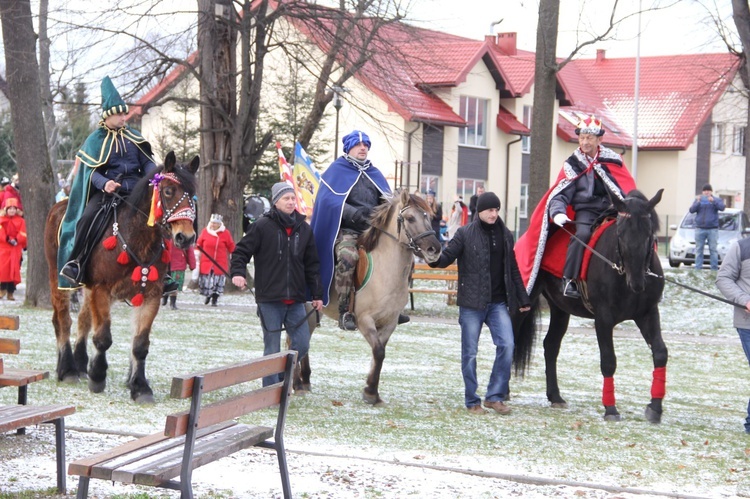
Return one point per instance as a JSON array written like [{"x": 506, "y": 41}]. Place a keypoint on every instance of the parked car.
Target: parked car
[{"x": 733, "y": 225}]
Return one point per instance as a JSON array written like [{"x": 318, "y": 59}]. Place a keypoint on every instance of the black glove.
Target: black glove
[
  {"x": 359, "y": 221},
  {"x": 12, "y": 242}
]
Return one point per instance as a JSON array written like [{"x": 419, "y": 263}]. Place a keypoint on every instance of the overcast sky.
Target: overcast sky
[{"x": 680, "y": 28}]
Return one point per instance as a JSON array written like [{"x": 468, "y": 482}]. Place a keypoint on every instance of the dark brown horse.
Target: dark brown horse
[
  {"x": 630, "y": 292},
  {"x": 130, "y": 268}
]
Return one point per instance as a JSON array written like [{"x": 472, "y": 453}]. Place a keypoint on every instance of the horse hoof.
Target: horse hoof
[
  {"x": 301, "y": 392},
  {"x": 145, "y": 399},
  {"x": 70, "y": 379},
  {"x": 612, "y": 417},
  {"x": 559, "y": 405},
  {"x": 97, "y": 387},
  {"x": 652, "y": 416},
  {"x": 373, "y": 400}
]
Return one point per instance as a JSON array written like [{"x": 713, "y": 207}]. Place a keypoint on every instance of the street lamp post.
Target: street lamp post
[{"x": 337, "y": 103}]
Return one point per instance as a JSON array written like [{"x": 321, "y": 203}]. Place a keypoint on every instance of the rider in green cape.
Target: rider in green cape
[{"x": 113, "y": 159}]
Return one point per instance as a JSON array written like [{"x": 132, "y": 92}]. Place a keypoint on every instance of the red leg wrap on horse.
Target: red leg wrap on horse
[
  {"x": 608, "y": 392},
  {"x": 658, "y": 385}
]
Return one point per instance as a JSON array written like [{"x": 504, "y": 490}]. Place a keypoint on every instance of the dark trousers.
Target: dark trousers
[{"x": 584, "y": 221}]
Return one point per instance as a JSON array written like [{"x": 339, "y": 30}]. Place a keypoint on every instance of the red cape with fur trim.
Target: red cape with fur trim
[{"x": 530, "y": 247}]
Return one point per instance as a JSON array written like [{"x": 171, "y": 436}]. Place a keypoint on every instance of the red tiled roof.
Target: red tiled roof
[
  {"x": 508, "y": 123},
  {"x": 148, "y": 99},
  {"x": 677, "y": 94}
]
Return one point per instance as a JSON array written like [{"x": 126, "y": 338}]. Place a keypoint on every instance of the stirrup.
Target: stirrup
[
  {"x": 347, "y": 322},
  {"x": 570, "y": 289},
  {"x": 71, "y": 271}
]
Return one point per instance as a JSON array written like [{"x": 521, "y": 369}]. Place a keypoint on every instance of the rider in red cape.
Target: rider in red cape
[{"x": 605, "y": 165}]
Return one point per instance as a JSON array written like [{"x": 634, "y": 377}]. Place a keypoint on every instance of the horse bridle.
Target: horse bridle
[
  {"x": 173, "y": 214},
  {"x": 412, "y": 240}
]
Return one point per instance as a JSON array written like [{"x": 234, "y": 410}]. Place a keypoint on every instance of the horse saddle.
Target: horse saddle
[
  {"x": 364, "y": 269},
  {"x": 556, "y": 250}
]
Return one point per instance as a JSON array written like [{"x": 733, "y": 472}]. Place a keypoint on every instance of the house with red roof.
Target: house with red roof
[{"x": 448, "y": 114}]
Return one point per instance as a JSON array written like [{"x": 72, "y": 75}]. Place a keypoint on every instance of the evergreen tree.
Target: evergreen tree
[
  {"x": 76, "y": 124},
  {"x": 7, "y": 154}
]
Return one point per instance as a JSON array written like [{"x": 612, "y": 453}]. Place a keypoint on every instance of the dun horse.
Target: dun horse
[
  {"x": 400, "y": 229},
  {"x": 132, "y": 269},
  {"x": 631, "y": 292}
]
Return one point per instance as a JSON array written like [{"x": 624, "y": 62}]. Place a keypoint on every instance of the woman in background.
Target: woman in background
[
  {"x": 12, "y": 243},
  {"x": 215, "y": 242}
]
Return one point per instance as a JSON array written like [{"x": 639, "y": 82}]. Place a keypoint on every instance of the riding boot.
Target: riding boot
[
  {"x": 347, "y": 321},
  {"x": 570, "y": 288},
  {"x": 214, "y": 297},
  {"x": 173, "y": 302}
]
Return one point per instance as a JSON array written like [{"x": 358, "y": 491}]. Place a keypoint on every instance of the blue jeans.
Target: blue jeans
[
  {"x": 274, "y": 316},
  {"x": 745, "y": 339},
  {"x": 497, "y": 318},
  {"x": 701, "y": 237}
]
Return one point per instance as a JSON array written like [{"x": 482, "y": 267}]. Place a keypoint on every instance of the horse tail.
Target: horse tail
[{"x": 525, "y": 335}]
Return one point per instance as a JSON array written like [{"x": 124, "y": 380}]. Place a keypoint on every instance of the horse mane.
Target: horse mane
[
  {"x": 381, "y": 216},
  {"x": 655, "y": 223},
  {"x": 140, "y": 195}
]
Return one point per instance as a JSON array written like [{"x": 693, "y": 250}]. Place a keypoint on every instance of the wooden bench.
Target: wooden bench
[
  {"x": 204, "y": 433},
  {"x": 423, "y": 272},
  {"x": 18, "y": 417}
]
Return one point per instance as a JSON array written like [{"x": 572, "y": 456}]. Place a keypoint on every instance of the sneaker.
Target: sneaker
[
  {"x": 403, "y": 319},
  {"x": 347, "y": 322},
  {"x": 570, "y": 288},
  {"x": 70, "y": 271},
  {"x": 498, "y": 406},
  {"x": 476, "y": 409}
]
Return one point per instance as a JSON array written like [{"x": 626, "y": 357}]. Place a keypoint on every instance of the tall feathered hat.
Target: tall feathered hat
[
  {"x": 112, "y": 103},
  {"x": 590, "y": 125}
]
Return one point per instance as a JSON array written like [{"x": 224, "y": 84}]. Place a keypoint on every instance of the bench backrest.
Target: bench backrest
[
  {"x": 193, "y": 385},
  {"x": 9, "y": 345}
]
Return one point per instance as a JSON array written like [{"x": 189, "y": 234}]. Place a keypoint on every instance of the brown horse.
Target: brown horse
[
  {"x": 399, "y": 230},
  {"x": 133, "y": 270}
]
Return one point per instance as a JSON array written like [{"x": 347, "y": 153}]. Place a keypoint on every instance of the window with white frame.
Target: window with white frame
[
  {"x": 467, "y": 187},
  {"x": 523, "y": 205},
  {"x": 738, "y": 141},
  {"x": 474, "y": 111},
  {"x": 428, "y": 183},
  {"x": 717, "y": 137},
  {"x": 526, "y": 141}
]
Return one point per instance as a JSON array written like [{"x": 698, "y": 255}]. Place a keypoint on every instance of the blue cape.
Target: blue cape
[{"x": 335, "y": 185}]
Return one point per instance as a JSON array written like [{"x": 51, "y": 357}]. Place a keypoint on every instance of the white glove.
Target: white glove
[{"x": 560, "y": 219}]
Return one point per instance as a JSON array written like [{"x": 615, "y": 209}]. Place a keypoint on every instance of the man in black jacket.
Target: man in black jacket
[
  {"x": 490, "y": 288},
  {"x": 286, "y": 266}
]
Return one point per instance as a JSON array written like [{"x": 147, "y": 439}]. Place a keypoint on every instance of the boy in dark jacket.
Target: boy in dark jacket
[
  {"x": 490, "y": 288},
  {"x": 286, "y": 265}
]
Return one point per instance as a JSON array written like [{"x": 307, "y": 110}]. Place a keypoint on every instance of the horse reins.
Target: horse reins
[
  {"x": 412, "y": 243},
  {"x": 620, "y": 270}
]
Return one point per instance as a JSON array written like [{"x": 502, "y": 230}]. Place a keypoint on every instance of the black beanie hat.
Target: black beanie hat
[{"x": 486, "y": 201}]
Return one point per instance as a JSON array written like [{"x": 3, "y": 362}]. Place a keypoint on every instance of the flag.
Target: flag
[
  {"x": 287, "y": 176},
  {"x": 307, "y": 178}
]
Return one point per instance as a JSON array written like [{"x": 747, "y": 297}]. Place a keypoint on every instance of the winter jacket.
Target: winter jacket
[
  {"x": 707, "y": 212},
  {"x": 217, "y": 247},
  {"x": 180, "y": 259},
  {"x": 11, "y": 229},
  {"x": 286, "y": 265},
  {"x": 733, "y": 280},
  {"x": 471, "y": 246}
]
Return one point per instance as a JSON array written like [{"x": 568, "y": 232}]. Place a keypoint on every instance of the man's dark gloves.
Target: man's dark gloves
[{"x": 360, "y": 221}]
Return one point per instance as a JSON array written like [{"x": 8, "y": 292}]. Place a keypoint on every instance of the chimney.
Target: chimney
[
  {"x": 599, "y": 55},
  {"x": 507, "y": 43}
]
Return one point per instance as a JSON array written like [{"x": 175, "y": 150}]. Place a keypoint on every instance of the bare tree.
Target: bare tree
[
  {"x": 29, "y": 139},
  {"x": 741, "y": 15}
]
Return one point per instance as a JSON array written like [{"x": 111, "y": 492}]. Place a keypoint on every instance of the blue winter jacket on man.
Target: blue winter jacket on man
[{"x": 707, "y": 212}]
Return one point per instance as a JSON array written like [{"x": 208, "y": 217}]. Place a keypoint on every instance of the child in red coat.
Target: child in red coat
[{"x": 12, "y": 243}]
